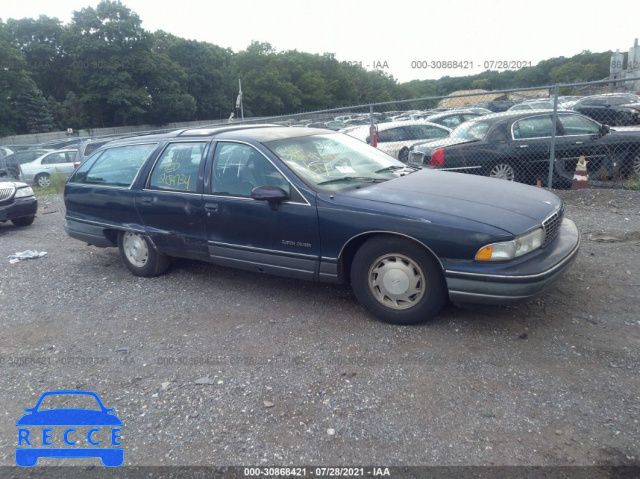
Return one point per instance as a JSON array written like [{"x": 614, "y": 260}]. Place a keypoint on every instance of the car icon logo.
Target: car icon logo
[{"x": 69, "y": 432}]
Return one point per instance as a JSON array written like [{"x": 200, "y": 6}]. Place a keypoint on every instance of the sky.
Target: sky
[{"x": 409, "y": 39}]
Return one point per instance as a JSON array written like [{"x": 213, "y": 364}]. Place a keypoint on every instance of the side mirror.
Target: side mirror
[
  {"x": 271, "y": 194},
  {"x": 604, "y": 129}
]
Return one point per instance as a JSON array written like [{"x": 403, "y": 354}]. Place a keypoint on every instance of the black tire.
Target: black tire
[
  {"x": 43, "y": 180},
  {"x": 24, "y": 221},
  {"x": 403, "y": 156},
  {"x": 387, "y": 261},
  {"x": 140, "y": 256},
  {"x": 632, "y": 168},
  {"x": 502, "y": 170}
]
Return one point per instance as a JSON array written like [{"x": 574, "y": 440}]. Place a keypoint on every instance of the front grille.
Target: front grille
[
  {"x": 6, "y": 193},
  {"x": 552, "y": 225},
  {"x": 416, "y": 158}
]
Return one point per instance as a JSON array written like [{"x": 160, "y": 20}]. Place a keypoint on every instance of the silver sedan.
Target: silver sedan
[{"x": 40, "y": 170}]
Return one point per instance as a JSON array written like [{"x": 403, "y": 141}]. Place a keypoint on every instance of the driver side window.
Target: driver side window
[{"x": 238, "y": 169}]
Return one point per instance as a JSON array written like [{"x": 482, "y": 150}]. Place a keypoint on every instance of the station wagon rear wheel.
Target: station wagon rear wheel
[
  {"x": 140, "y": 256},
  {"x": 503, "y": 171},
  {"x": 398, "y": 281}
]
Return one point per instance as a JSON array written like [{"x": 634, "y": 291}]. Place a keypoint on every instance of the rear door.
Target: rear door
[
  {"x": 170, "y": 202},
  {"x": 581, "y": 136},
  {"x": 532, "y": 147}
]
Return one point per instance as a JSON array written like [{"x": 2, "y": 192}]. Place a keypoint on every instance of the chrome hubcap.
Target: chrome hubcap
[
  {"x": 136, "y": 249},
  {"x": 502, "y": 172},
  {"x": 44, "y": 181},
  {"x": 396, "y": 281}
]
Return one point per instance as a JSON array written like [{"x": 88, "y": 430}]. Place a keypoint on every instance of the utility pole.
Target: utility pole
[{"x": 239, "y": 100}]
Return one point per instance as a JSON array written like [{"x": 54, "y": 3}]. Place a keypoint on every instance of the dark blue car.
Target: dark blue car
[
  {"x": 320, "y": 206},
  {"x": 36, "y": 428}
]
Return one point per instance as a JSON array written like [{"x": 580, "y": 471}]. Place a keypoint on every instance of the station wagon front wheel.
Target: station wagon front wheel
[
  {"x": 140, "y": 256},
  {"x": 398, "y": 281}
]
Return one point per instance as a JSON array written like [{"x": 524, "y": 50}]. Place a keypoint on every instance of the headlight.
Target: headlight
[
  {"x": 22, "y": 192},
  {"x": 512, "y": 249}
]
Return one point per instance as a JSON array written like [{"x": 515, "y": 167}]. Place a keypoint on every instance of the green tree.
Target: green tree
[
  {"x": 39, "y": 42},
  {"x": 73, "y": 113},
  {"x": 108, "y": 49},
  {"x": 33, "y": 112},
  {"x": 13, "y": 78}
]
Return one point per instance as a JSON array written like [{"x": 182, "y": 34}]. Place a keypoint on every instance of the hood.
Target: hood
[
  {"x": 4, "y": 183},
  {"x": 510, "y": 206}
]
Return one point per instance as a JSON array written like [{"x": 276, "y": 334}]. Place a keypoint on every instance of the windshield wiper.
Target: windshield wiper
[
  {"x": 351, "y": 178},
  {"x": 391, "y": 168}
]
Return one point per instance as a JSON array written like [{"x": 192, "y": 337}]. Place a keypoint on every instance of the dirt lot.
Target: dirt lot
[{"x": 211, "y": 366}]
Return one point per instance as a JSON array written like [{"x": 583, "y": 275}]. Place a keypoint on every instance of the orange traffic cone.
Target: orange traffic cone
[{"x": 580, "y": 177}]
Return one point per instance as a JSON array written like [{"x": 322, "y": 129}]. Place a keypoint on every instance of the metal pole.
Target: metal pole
[
  {"x": 241, "y": 100},
  {"x": 554, "y": 123},
  {"x": 372, "y": 127}
]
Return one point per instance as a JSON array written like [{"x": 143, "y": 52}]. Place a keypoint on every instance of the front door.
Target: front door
[{"x": 280, "y": 239}]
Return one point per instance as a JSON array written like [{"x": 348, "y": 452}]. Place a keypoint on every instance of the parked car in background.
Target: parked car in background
[
  {"x": 62, "y": 143},
  {"x": 11, "y": 164},
  {"x": 616, "y": 109},
  {"x": 451, "y": 119},
  {"x": 533, "y": 105},
  {"x": 334, "y": 125},
  {"x": 395, "y": 138},
  {"x": 4, "y": 152},
  {"x": 516, "y": 147},
  {"x": 567, "y": 102},
  {"x": 321, "y": 206},
  {"x": 17, "y": 203},
  {"x": 87, "y": 147},
  {"x": 496, "y": 106},
  {"x": 39, "y": 171},
  {"x": 317, "y": 124},
  {"x": 358, "y": 121}
]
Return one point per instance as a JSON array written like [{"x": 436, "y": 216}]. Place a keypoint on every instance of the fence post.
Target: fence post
[
  {"x": 372, "y": 128},
  {"x": 554, "y": 123}
]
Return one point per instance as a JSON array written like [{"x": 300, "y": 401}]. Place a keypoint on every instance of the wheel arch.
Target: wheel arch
[
  {"x": 348, "y": 251},
  {"x": 113, "y": 234}
]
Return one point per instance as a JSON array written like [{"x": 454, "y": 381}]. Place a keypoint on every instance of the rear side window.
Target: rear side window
[
  {"x": 177, "y": 168},
  {"x": 55, "y": 158},
  {"x": 534, "y": 127},
  {"x": 115, "y": 166}
]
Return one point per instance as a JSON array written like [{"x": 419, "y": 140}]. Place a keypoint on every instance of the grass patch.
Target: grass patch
[{"x": 58, "y": 179}]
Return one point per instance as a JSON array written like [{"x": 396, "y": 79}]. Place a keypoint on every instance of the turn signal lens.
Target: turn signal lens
[{"x": 485, "y": 253}]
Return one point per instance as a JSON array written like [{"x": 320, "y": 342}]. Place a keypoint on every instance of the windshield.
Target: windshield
[
  {"x": 471, "y": 130},
  {"x": 336, "y": 161}
]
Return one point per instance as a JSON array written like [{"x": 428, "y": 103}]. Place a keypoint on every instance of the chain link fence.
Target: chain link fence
[
  {"x": 530, "y": 135},
  {"x": 534, "y": 135}
]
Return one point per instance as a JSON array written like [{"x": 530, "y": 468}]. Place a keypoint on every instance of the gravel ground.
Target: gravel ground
[{"x": 211, "y": 366}]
